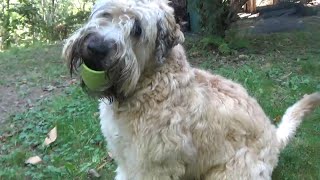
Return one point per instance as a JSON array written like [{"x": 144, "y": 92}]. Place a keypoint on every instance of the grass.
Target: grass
[
  {"x": 79, "y": 146},
  {"x": 277, "y": 70},
  {"x": 34, "y": 65}
]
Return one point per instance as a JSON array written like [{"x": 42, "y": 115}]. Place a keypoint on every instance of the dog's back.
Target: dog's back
[{"x": 252, "y": 143}]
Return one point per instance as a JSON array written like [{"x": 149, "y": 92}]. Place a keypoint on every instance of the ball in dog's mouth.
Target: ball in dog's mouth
[{"x": 93, "y": 79}]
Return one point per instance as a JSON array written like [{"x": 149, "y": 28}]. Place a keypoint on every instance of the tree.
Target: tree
[
  {"x": 217, "y": 15},
  {"x": 5, "y": 25},
  {"x": 24, "y": 22}
]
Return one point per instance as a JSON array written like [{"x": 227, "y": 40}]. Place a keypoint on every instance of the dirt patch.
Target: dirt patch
[
  {"x": 30, "y": 75},
  {"x": 8, "y": 98},
  {"x": 13, "y": 101}
]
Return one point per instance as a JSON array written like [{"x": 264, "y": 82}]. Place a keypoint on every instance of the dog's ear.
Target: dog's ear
[
  {"x": 71, "y": 54},
  {"x": 168, "y": 36}
]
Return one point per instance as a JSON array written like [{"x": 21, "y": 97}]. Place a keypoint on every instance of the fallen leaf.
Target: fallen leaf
[
  {"x": 195, "y": 54},
  {"x": 102, "y": 165},
  {"x": 24, "y": 81},
  {"x": 6, "y": 135},
  {"x": 285, "y": 76},
  {"x": 49, "y": 88},
  {"x": 33, "y": 160},
  {"x": 110, "y": 155},
  {"x": 51, "y": 137},
  {"x": 73, "y": 81},
  {"x": 243, "y": 57},
  {"x": 267, "y": 66},
  {"x": 93, "y": 173},
  {"x": 96, "y": 114},
  {"x": 277, "y": 118}
]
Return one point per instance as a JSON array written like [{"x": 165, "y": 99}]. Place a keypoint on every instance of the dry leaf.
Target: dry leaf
[
  {"x": 96, "y": 114},
  {"x": 277, "y": 118},
  {"x": 93, "y": 173},
  {"x": 33, "y": 160},
  {"x": 4, "y": 136},
  {"x": 49, "y": 88},
  {"x": 51, "y": 137},
  {"x": 110, "y": 155},
  {"x": 243, "y": 56}
]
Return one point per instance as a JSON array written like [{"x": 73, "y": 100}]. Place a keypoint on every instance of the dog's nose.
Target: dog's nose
[
  {"x": 97, "y": 46},
  {"x": 96, "y": 49}
]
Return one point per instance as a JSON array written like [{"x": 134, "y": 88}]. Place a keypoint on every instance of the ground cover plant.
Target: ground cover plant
[{"x": 277, "y": 69}]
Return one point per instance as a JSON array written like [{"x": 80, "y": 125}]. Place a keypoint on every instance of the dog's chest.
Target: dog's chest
[{"x": 117, "y": 133}]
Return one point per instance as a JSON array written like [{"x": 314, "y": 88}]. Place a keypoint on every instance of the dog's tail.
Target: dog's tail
[{"x": 294, "y": 116}]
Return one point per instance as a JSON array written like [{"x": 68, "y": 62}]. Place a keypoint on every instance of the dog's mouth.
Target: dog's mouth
[
  {"x": 91, "y": 59},
  {"x": 102, "y": 56},
  {"x": 96, "y": 51}
]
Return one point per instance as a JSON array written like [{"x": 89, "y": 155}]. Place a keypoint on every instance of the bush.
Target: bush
[
  {"x": 217, "y": 15},
  {"x": 27, "y": 21}
]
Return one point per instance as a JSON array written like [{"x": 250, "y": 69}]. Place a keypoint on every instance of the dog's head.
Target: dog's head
[{"x": 124, "y": 38}]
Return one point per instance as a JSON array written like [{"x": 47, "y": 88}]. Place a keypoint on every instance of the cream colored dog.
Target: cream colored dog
[{"x": 167, "y": 119}]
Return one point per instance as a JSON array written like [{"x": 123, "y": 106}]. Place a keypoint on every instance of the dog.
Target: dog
[{"x": 162, "y": 118}]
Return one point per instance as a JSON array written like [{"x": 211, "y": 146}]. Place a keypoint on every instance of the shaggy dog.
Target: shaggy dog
[{"x": 165, "y": 119}]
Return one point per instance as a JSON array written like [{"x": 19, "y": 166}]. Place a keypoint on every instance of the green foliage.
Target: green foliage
[
  {"x": 215, "y": 41},
  {"x": 217, "y": 15},
  {"x": 236, "y": 42},
  {"x": 224, "y": 46},
  {"x": 27, "y": 21}
]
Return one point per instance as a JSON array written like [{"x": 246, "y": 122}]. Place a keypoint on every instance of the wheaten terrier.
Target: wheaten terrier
[{"x": 168, "y": 120}]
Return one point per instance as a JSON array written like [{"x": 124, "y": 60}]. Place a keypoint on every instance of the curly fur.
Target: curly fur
[{"x": 170, "y": 120}]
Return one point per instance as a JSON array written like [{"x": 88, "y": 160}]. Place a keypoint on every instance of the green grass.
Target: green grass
[
  {"x": 276, "y": 72},
  {"x": 78, "y": 148},
  {"x": 35, "y": 65}
]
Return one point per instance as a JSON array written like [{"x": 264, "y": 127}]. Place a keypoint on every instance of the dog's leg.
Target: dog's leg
[
  {"x": 121, "y": 175},
  {"x": 152, "y": 171},
  {"x": 155, "y": 176}
]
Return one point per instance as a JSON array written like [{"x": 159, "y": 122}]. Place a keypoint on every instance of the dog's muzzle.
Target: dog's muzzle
[{"x": 96, "y": 49}]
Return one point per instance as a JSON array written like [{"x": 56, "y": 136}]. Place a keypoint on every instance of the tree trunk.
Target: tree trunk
[
  {"x": 6, "y": 37},
  {"x": 53, "y": 11},
  {"x": 235, "y": 6},
  {"x": 1, "y": 26}
]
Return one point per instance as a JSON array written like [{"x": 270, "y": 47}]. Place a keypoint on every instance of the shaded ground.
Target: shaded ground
[
  {"x": 21, "y": 98},
  {"x": 283, "y": 18},
  {"x": 29, "y": 75}
]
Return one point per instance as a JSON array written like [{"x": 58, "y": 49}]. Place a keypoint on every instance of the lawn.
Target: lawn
[{"x": 277, "y": 69}]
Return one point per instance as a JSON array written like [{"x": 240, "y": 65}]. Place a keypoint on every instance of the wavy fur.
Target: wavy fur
[{"x": 169, "y": 120}]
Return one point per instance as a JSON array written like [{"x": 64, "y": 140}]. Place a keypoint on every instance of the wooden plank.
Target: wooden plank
[{"x": 251, "y": 6}]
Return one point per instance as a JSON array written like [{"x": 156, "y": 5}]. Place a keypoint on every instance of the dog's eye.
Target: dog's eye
[
  {"x": 105, "y": 15},
  {"x": 136, "y": 30}
]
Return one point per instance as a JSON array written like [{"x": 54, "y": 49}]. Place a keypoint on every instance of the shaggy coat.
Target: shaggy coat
[
  {"x": 165, "y": 119},
  {"x": 185, "y": 123}
]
